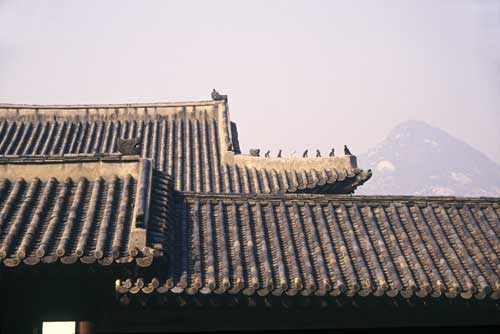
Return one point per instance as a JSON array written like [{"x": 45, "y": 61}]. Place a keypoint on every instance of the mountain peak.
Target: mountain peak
[
  {"x": 419, "y": 159},
  {"x": 415, "y": 128},
  {"x": 413, "y": 123}
]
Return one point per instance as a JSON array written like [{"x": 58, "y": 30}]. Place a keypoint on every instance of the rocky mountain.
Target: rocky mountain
[{"x": 419, "y": 159}]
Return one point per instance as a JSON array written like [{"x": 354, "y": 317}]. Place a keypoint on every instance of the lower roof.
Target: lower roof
[
  {"x": 86, "y": 210},
  {"x": 324, "y": 244},
  {"x": 120, "y": 210}
]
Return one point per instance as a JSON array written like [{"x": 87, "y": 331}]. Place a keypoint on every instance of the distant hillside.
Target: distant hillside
[{"x": 419, "y": 159}]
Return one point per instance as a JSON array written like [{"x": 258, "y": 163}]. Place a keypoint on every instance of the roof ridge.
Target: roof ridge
[
  {"x": 68, "y": 157},
  {"x": 340, "y": 197},
  {"x": 111, "y": 105}
]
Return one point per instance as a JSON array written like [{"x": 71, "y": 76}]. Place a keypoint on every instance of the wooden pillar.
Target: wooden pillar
[{"x": 85, "y": 327}]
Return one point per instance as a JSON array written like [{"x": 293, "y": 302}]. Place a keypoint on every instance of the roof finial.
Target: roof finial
[
  {"x": 255, "y": 152},
  {"x": 304, "y": 155},
  {"x": 267, "y": 153},
  {"x": 332, "y": 152},
  {"x": 218, "y": 97},
  {"x": 318, "y": 154},
  {"x": 346, "y": 150},
  {"x": 129, "y": 146},
  {"x": 279, "y": 154}
]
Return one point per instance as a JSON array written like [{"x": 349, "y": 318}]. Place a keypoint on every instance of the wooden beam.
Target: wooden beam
[{"x": 84, "y": 327}]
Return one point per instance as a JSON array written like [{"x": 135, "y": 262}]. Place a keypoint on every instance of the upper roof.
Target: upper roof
[
  {"x": 92, "y": 210},
  {"x": 193, "y": 142},
  {"x": 327, "y": 244}
]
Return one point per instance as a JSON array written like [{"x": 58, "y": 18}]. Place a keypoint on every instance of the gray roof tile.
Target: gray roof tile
[
  {"x": 324, "y": 244},
  {"x": 77, "y": 216},
  {"x": 194, "y": 143}
]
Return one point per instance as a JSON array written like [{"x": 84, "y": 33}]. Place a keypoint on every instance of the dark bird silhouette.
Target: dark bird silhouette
[
  {"x": 218, "y": 97},
  {"x": 279, "y": 154},
  {"x": 318, "y": 154},
  {"x": 267, "y": 154},
  {"x": 346, "y": 150},
  {"x": 304, "y": 155},
  {"x": 129, "y": 146},
  {"x": 255, "y": 152},
  {"x": 332, "y": 152}
]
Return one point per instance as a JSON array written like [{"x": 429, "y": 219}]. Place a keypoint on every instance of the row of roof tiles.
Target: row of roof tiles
[
  {"x": 230, "y": 244},
  {"x": 187, "y": 149},
  {"x": 329, "y": 245},
  {"x": 251, "y": 244},
  {"x": 47, "y": 219}
]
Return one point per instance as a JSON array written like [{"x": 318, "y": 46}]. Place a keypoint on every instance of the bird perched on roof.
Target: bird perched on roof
[
  {"x": 279, "y": 154},
  {"x": 304, "y": 155},
  {"x": 255, "y": 152},
  {"x": 129, "y": 146},
  {"x": 332, "y": 152},
  {"x": 318, "y": 154},
  {"x": 218, "y": 97},
  {"x": 346, "y": 150},
  {"x": 267, "y": 154}
]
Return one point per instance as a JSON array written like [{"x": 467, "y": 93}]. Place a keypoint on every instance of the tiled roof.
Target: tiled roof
[
  {"x": 324, "y": 244},
  {"x": 264, "y": 175},
  {"x": 88, "y": 211},
  {"x": 194, "y": 143}
]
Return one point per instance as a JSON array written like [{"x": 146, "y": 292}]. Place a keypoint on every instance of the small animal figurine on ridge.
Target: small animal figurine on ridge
[
  {"x": 218, "y": 97},
  {"x": 318, "y": 154},
  {"x": 346, "y": 150},
  {"x": 304, "y": 155},
  {"x": 255, "y": 152},
  {"x": 332, "y": 152},
  {"x": 279, "y": 154},
  {"x": 129, "y": 146},
  {"x": 267, "y": 154}
]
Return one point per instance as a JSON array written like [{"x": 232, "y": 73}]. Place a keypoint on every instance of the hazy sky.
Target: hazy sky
[{"x": 299, "y": 74}]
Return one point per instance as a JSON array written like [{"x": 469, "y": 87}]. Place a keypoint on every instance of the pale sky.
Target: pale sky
[{"x": 299, "y": 74}]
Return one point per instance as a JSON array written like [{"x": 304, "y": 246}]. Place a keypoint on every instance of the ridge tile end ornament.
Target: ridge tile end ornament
[
  {"x": 129, "y": 146},
  {"x": 216, "y": 96}
]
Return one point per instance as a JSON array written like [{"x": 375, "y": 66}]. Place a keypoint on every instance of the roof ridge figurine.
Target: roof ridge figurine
[
  {"x": 346, "y": 150},
  {"x": 216, "y": 96},
  {"x": 255, "y": 152},
  {"x": 130, "y": 146},
  {"x": 332, "y": 152}
]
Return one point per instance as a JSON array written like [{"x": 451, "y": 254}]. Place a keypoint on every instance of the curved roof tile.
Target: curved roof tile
[
  {"x": 195, "y": 143},
  {"x": 314, "y": 244},
  {"x": 87, "y": 211}
]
